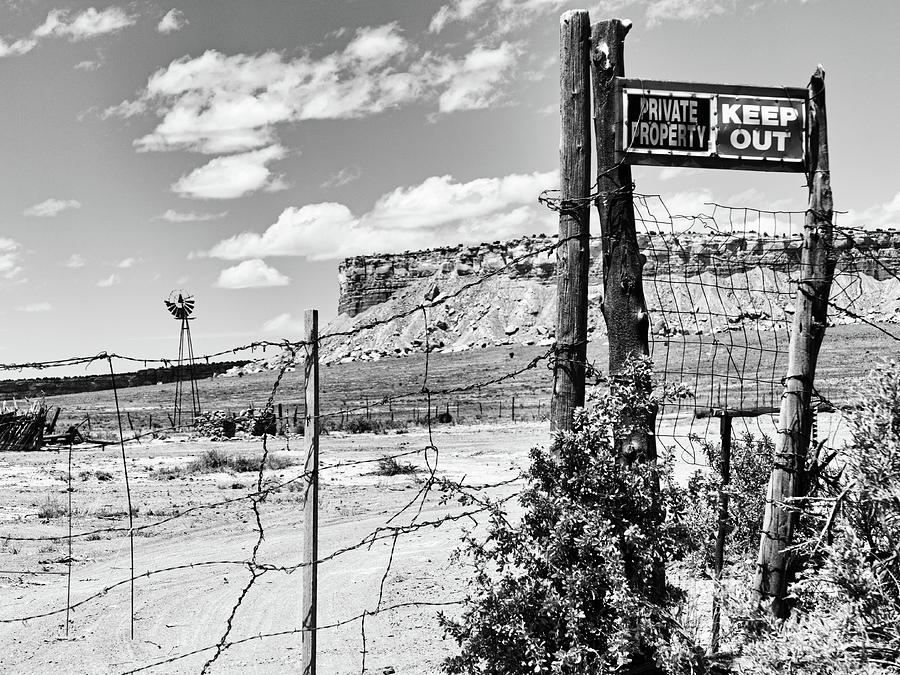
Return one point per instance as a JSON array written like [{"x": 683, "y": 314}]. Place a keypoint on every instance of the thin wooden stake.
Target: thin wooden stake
[
  {"x": 311, "y": 497},
  {"x": 69, "y": 557},
  {"x": 573, "y": 252},
  {"x": 719, "y": 562}
]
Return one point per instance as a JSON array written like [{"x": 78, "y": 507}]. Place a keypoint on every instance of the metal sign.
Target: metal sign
[{"x": 711, "y": 125}]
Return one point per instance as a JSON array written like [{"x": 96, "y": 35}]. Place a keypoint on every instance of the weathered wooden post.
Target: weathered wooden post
[
  {"x": 624, "y": 307},
  {"x": 573, "y": 250},
  {"x": 311, "y": 496},
  {"x": 817, "y": 262}
]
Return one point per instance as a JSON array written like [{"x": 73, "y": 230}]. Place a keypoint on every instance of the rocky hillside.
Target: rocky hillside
[{"x": 693, "y": 283}]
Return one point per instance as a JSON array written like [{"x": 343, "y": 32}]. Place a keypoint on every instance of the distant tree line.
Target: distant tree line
[{"x": 54, "y": 386}]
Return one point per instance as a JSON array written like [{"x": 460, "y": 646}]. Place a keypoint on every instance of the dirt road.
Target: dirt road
[{"x": 186, "y": 606}]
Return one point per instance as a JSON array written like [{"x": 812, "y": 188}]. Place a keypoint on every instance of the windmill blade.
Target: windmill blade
[{"x": 180, "y": 304}]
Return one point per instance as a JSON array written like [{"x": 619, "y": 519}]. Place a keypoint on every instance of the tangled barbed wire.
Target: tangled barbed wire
[{"x": 719, "y": 288}]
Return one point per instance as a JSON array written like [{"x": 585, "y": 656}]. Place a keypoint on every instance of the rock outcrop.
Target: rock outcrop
[{"x": 367, "y": 281}]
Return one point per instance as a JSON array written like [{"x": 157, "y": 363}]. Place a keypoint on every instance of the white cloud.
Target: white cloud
[
  {"x": 284, "y": 324},
  {"x": 499, "y": 17},
  {"x": 879, "y": 215},
  {"x": 439, "y": 200},
  {"x": 216, "y": 103},
  {"x": 35, "y": 307},
  {"x": 674, "y": 210},
  {"x": 316, "y": 230},
  {"x": 172, "y": 21},
  {"x": 474, "y": 81},
  {"x": 51, "y": 207},
  {"x": 88, "y": 65},
  {"x": 126, "y": 263},
  {"x": 174, "y": 216},
  {"x": 232, "y": 176},
  {"x": 10, "y": 258},
  {"x": 673, "y": 172},
  {"x": 684, "y": 10},
  {"x": 458, "y": 10},
  {"x": 754, "y": 198},
  {"x": 74, "y": 261},
  {"x": 17, "y": 47},
  {"x": 438, "y": 211},
  {"x": 374, "y": 47},
  {"x": 251, "y": 274},
  {"x": 342, "y": 177},
  {"x": 111, "y": 280},
  {"x": 84, "y": 25},
  {"x": 495, "y": 16}
]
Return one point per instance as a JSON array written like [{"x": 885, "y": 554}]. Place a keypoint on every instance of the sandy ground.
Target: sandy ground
[
  {"x": 183, "y": 610},
  {"x": 186, "y": 609}
]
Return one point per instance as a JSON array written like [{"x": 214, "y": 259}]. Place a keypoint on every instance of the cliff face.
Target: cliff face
[{"x": 367, "y": 281}]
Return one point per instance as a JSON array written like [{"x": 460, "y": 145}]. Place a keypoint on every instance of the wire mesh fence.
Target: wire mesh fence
[{"x": 720, "y": 288}]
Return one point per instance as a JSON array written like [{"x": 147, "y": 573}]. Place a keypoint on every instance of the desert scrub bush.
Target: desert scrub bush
[
  {"x": 374, "y": 425},
  {"x": 847, "y": 613},
  {"x": 100, "y": 475},
  {"x": 51, "y": 508},
  {"x": 574, "y": 588},
  {"x": 389, "y": 466},
  {"x": 113, "y": 513},
  {"x": 752, "y": 459},
  {"x": 213, "y": 461}
]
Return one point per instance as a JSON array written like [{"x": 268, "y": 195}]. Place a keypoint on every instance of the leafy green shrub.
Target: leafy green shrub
[{"x": 574, "y": 588}]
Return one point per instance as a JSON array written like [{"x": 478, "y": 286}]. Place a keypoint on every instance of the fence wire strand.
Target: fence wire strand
[{"x": 720, "y": 288}]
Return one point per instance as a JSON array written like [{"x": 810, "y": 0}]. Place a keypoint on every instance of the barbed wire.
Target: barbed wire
[{"x": 744, "y": 359}]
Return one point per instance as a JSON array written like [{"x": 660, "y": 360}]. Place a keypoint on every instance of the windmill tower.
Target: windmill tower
[{"x": 181, "y": 305}]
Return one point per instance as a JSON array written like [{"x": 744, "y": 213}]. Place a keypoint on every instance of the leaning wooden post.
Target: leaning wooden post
[
  {"x": 787, "y": 482},
  {"x": 311, "y": 497},
  {"x": 573, "y": 250}
]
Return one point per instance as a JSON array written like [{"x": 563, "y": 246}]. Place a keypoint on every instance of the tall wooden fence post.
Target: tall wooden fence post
[
  {"x": 573, "y": 250},
  {"x": 311, "y": 498},
  {"x": 817, "y": 262},
  {"x": 624, "y": 308}
]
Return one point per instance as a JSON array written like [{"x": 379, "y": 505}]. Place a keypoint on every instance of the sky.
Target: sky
[{"x": 239, "y": 149}]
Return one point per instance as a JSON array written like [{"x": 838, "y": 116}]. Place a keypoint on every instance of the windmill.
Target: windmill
[{"x": 180, "y": 305}]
